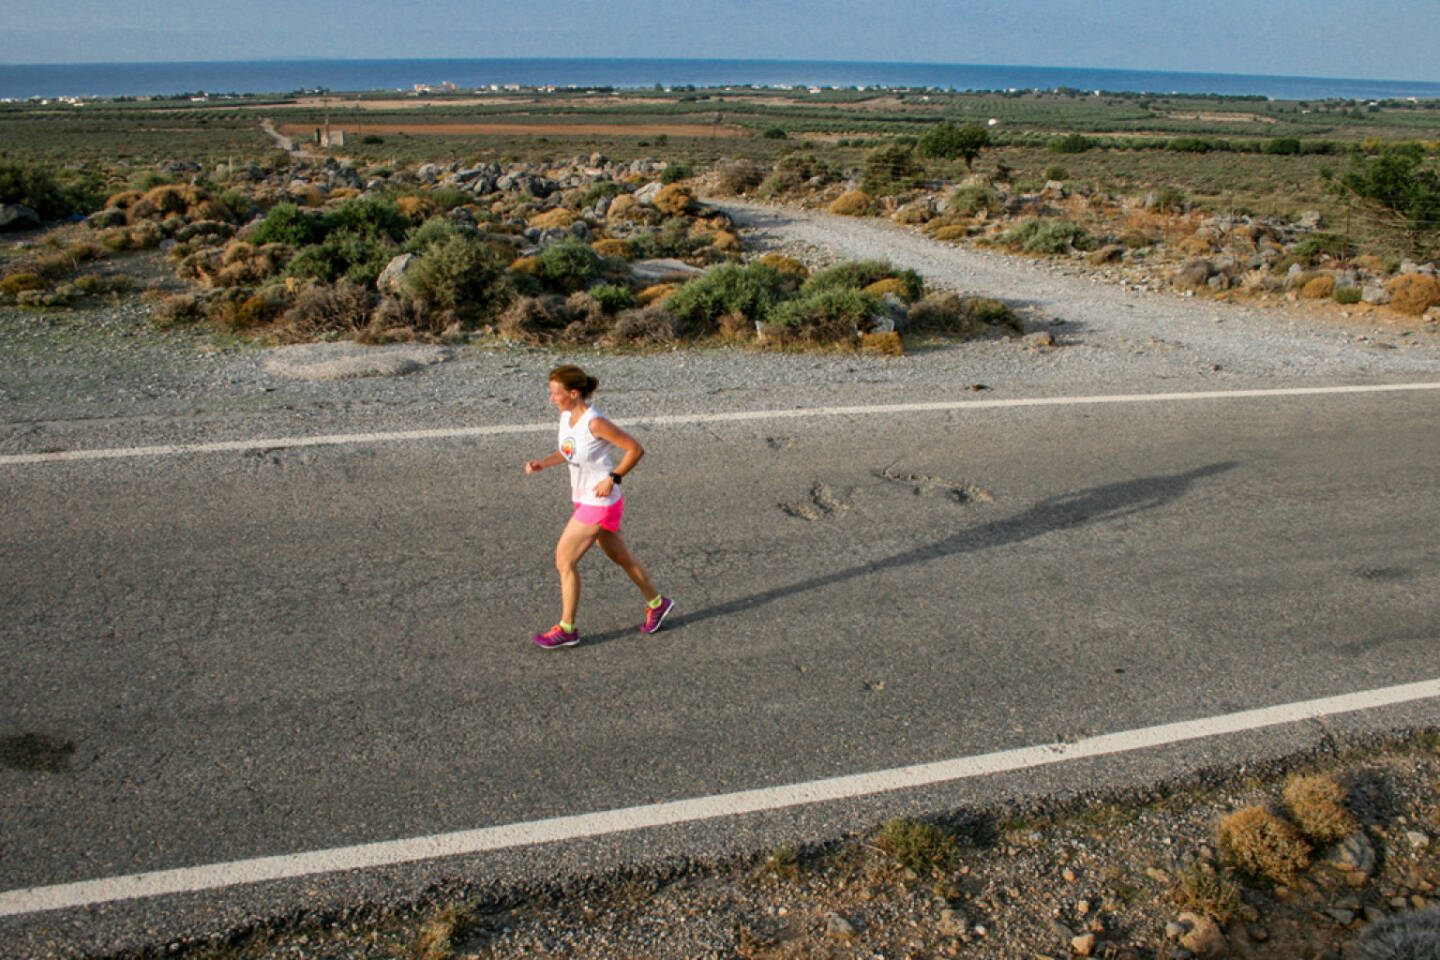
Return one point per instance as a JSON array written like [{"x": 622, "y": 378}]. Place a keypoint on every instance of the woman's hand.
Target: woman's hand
[
  {"x": 534, "y": 466},
  {"x": 605, "y": 487}
]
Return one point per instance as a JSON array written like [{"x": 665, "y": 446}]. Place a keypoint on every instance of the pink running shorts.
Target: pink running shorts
[{"x": 606, "y": 517}]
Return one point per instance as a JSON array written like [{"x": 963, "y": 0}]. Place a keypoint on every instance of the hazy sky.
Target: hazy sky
[{"x": 1374, "y": 39}]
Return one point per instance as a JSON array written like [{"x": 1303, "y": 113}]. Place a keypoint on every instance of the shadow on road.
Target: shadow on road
[{"x": 1109, "y": 502}]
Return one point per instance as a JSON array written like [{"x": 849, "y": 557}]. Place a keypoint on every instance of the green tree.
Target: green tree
[
  {"x": 1398, "y": 189},
  {"x": 946, "y": 141}
]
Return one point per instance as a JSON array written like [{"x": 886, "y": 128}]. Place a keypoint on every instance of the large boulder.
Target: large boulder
[
  {"x": 1193, "y": 274},
  {"x": 17, "y": 216},
  {"x": 393, "y": 276}
]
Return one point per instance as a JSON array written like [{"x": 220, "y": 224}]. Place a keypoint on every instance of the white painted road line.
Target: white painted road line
[
  {"x": 219, "y": 875},
  {"x": 447, "y": 433}
]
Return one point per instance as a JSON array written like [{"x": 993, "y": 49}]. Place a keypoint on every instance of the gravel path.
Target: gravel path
[{"x": 101, "y": 377}]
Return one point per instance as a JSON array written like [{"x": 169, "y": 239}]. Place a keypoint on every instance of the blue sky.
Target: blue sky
[{"x": 1377, "y": 39}]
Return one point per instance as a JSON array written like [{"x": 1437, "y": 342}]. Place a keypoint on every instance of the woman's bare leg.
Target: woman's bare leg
[
  {"x": 616, "y": 549},
  {"x": 575, "y": 539}
]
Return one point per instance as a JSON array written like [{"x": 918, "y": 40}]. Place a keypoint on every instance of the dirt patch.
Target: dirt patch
[{"x": 718, "y": 131}]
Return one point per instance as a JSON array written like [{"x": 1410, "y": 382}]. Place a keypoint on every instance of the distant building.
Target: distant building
[{"x": 446, "y": 87}]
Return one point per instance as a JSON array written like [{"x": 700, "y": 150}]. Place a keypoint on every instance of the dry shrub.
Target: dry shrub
[
  {"x": 1194, "y": 246},
  {"x": 344, "y": 193},
  {"x": 1260, "y": 843},
  {"x": 646, "y": 325},
  {"x": 726, "y": 242},
  {"x": 237, "y": 251},
  {"x": 232, "y": 314},
  {"x": 912, "y": 214},
  {"x": 17, "y": 282},
  {"x": 1318, "y": 288},
  {"x": 418, "y": 209},
  {"x": 170, "y": 198},
  {"x": 176, "y": 310},
  {"x": 1370, "y": 263},
  {"x": 852, "y": 203},
  {"x": 1413, "y": 293},
  {"x": 396, "y": 318},
  {"x": 1204, "y": 890},
  {"x": 951, "y": 233},
  {"x": 735, "y": 325},
  {"x": 584, "y": 309},
  {"x": 211, "y": 209},
  {"x": 949, "y": 313},
  {"x": 738, "y": 176},
  {"x": 146, "y": 235},
  {"x": 530, "y": 266},
  {"x": 613, "y": 248},
  {"x": 343, "y": 307},
  {"x": 674, "y": 199},
  {"x": 623, "y": 207},
  {"x": 122, "y": 200},
  {"x": 558, "y": 217},
  {"x": 655, "y": 293},
  {"x": 884, "y": 344},
  {"x": 1318, "y": 805},
  {"x": 786, "y": 266},
  {"x": 312, "y": 195},
  {"x": 889, "y": 285},
  {"x": 532, "y": 318}
]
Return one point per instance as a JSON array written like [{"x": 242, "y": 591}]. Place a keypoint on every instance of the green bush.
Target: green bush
[
  {"x": 459, "y": 273},
  {"x": 613, "y": 297},
  {"x": 569, "y": 266},
  {"x": 854, "y": 275},
  {"x": 675, "y": 173},
  {"x": 1348, "y": 295},
  {"x": 1322, "y": 244},
  {"x": 793, "y": 171},
  {"x": 1071, "y": 143},
  {"x": 373, "y": 219},
  {"x": 287, "y": 223},
  {"x": 829, "y": 316},
  {"x": 971, "y": 199},
  {"x": 671, "y": 240},
  {"x": 1056, "y": 172},
  {"x": 1281, "y": 146},
  {"x": 889, "y": 169},
  {"x": 36, "y": 188},
  {"x": 774, "y": 133},
  {"x": 434, "y": 230},
  {"x": 1041, "y": 236},
  {"x": 753, "y": 290},
  {"x": 606, "y": 188}
]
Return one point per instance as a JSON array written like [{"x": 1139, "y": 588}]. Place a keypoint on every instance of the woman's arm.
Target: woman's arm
[
  {"x": 554, "y": 460},
  {"x": 606, "y": 430}
]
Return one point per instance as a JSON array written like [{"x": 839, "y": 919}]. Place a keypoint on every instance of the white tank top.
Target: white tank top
[{"x": 589, "y": 459}]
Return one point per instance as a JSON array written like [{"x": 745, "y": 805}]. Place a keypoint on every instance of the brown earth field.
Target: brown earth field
[{"x": 529, "y": 129}]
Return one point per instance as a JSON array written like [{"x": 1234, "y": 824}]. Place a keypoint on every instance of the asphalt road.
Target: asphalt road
[{"x": 270, "y": 652}]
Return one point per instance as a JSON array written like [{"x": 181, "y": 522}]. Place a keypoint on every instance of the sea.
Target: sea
[{"x": 27, "y": 81}]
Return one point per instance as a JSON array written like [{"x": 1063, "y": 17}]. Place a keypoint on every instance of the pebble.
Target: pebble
[
  {"x": 838, "y": 927},
  {"x": 1084, "y": 944}
]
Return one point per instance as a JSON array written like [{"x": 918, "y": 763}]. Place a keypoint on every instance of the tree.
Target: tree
[
  {"x": 947, "y": 141},
  {"x": 1399, "y": 190}
]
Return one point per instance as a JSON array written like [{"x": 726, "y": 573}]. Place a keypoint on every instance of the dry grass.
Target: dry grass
[
  {"x": 1260, "y": 843},
  {"x": 1318, "y": 805}
]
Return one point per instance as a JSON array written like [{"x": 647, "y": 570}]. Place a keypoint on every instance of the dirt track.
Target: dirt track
[{"x": 528, "y": 129}]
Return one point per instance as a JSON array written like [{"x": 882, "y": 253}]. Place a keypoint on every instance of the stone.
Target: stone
[
  {"x": 1374, "y": 294},
  {"x": 1175, "y": 930},
  {"x": 953, "y": 923},
  {"x": 1341, "y": 916},
  {"x": 101, "y": 219},
  {"x": 838, "y": 927},
  {"x": 581, "y": 230},
  {"x": 1193, "y": 274},
  {"x": 393, "y": 275},
  {"x": 429, "y": 172},
  {"x": 1311, "y": 220},
  {"x": 1410, "y": 266},
  {"x": 647, "y": 193},
  {"x": 1083, "y": 945},
  {"x": 1354, "y": 854},
  {"x": 1204, "y": 938},
  {"x": 17, "y": 216},
  {"x": 1417, "y": 839},
  {"x": 1109, "y": 253}
]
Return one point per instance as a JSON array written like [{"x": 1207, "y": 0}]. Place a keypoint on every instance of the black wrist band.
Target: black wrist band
[{"x": 614, "y": 476}]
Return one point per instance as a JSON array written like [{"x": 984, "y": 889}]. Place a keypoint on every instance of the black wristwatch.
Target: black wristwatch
[{"x": 614, "y": 476}]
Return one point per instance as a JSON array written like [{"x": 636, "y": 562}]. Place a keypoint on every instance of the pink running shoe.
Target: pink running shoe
[
  {"x": 654, "y": 616},
  {"x": 557, "y": 637}
]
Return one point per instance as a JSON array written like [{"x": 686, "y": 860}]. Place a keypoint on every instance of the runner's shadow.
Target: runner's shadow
[{"x": 1109, "y": 502}]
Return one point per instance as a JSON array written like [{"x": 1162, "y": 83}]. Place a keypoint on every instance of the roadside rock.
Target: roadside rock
[
  {"x": 393, "y": 275},
  {"x": 1353, "y": 854},
  {"x": 15, "y": 216},
  {"x": 1203, "y": 938}
]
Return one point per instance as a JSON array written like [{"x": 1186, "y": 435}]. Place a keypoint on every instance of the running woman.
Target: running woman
[{"x": 587, "y": 440}]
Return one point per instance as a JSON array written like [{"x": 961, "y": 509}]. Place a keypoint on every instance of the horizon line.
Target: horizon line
[{"x": 767, "y": 60}]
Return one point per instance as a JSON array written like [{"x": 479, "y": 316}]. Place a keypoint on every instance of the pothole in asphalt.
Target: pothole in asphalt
[
  {"x": 923, "y": 484},
  {"x": 823, "y": 502}
]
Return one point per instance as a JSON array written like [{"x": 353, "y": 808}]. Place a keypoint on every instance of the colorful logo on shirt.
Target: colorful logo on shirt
[{"x": 567, "y": 448}]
